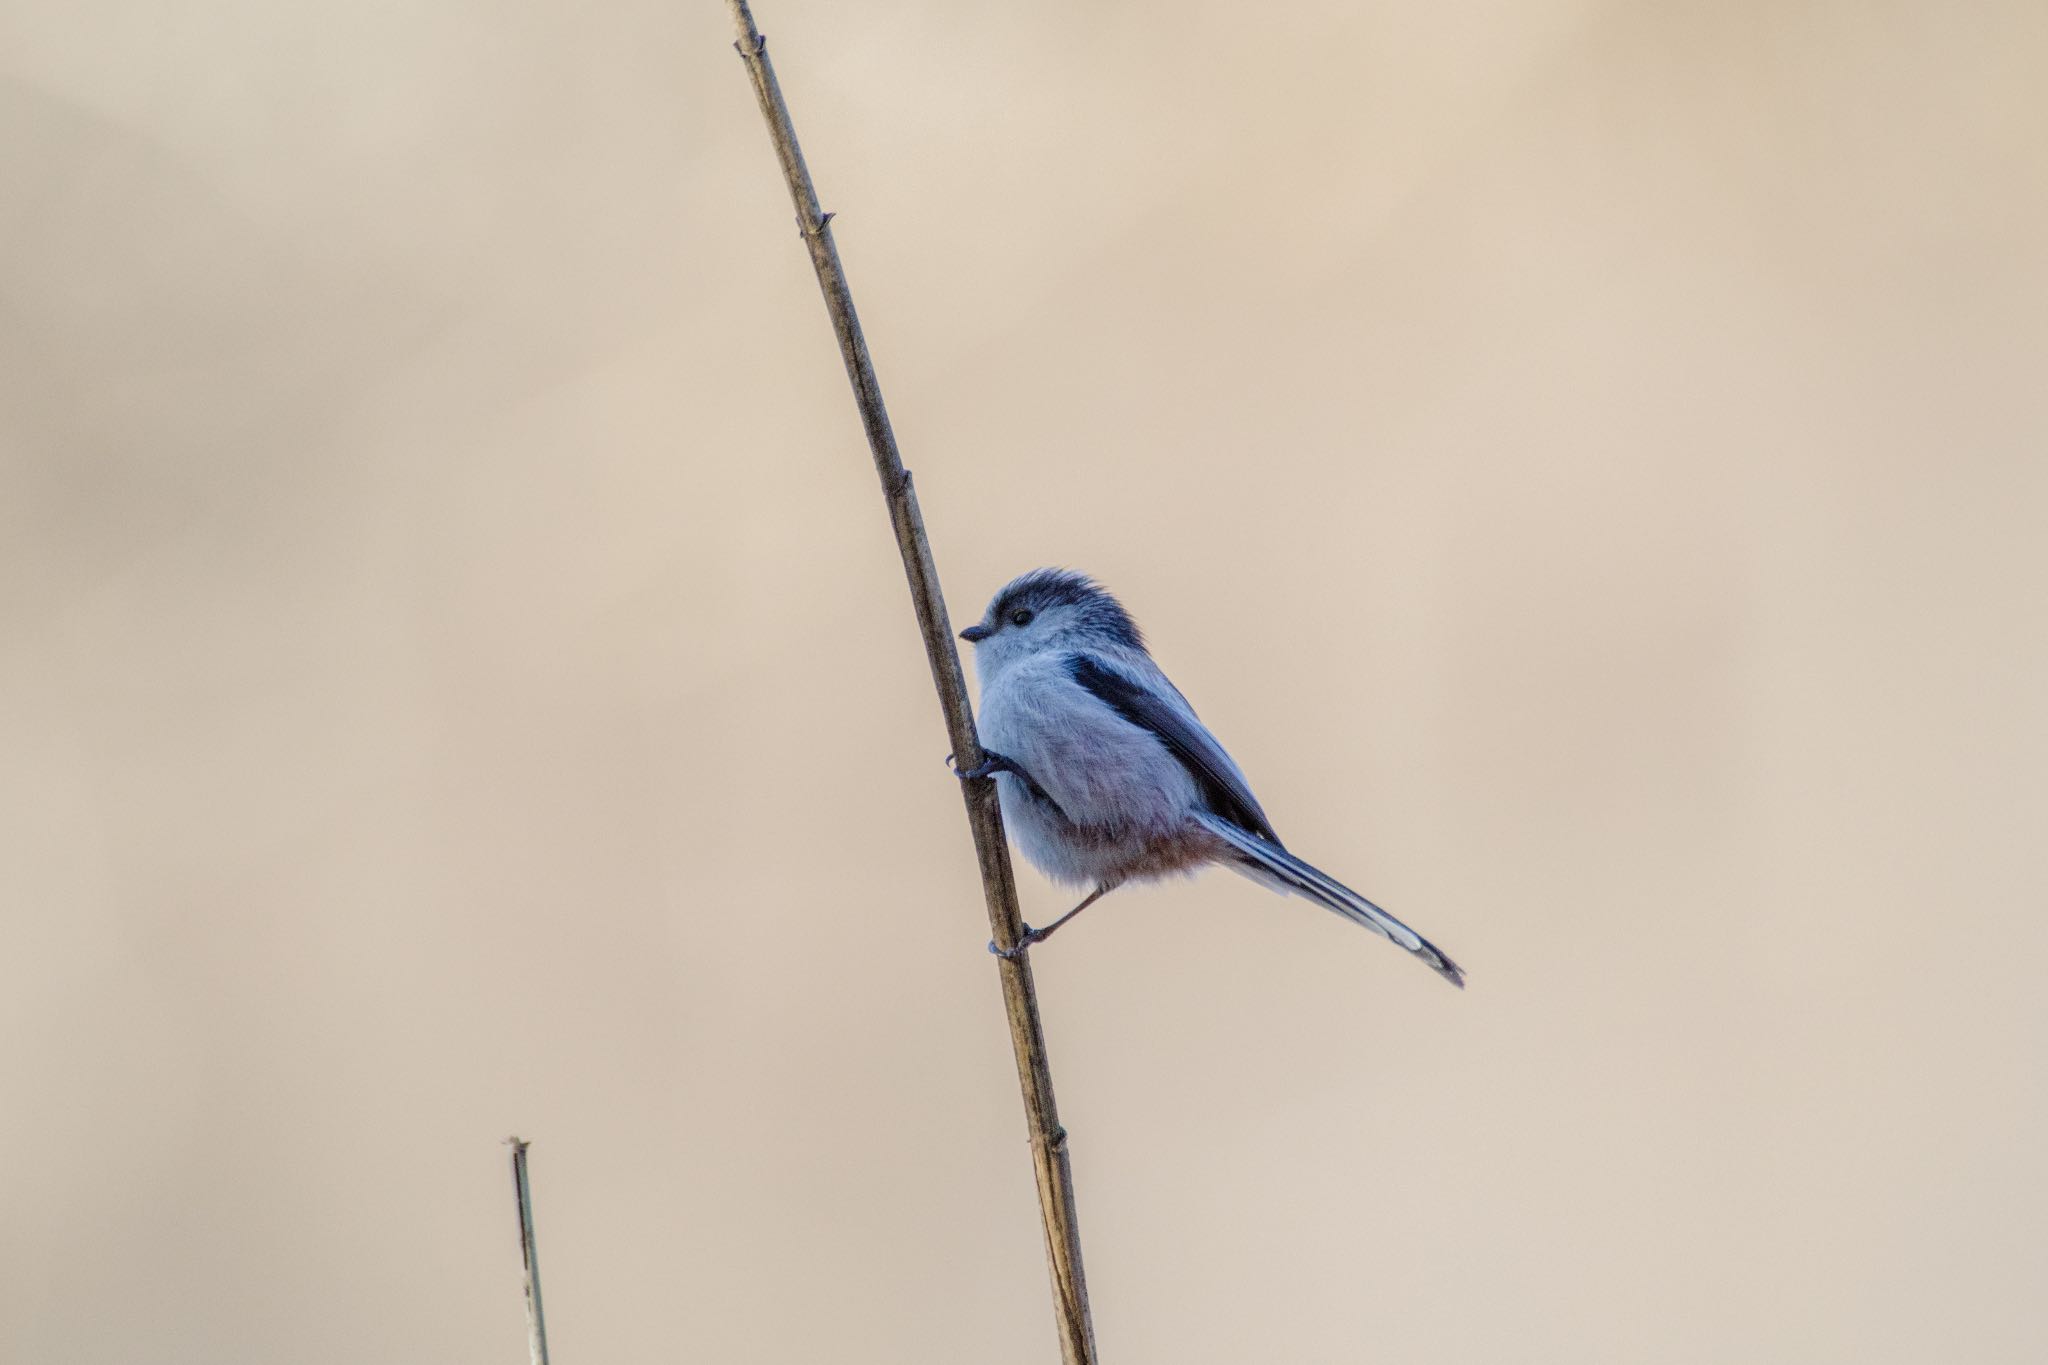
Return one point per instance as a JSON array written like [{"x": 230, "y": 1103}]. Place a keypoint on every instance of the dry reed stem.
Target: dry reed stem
[
  {"x": 999, "y": 888},
  {"x": 529, "y": 1255}
]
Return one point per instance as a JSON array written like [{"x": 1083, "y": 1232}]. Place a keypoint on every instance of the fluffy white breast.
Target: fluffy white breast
[{"x": 1106, "y": 774}]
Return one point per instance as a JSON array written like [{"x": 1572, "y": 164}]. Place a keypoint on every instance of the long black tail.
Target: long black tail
[{"x": 1266, "y": 862}]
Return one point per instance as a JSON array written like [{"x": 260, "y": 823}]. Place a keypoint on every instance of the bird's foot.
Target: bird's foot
[
  {"x": 1024, "y": 942},
  {"x": 991, "y": 764}
]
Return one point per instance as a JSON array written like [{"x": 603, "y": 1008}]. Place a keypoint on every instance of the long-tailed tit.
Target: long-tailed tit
[{"x": 1105, "y": 774}]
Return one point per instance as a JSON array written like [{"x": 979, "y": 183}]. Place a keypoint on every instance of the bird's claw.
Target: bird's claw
[
  {"x": 990, "y": 765},
  {"x": 1024, "y": 942}
]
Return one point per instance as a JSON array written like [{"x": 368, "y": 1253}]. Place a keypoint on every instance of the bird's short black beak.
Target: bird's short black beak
[{"x": 974, "y": 635}]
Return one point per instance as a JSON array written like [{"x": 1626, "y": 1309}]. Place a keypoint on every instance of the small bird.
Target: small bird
[{"x": 1105, "y": 773}]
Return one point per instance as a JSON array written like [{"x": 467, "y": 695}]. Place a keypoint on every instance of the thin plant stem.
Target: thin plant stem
[
  {"x": 529, "y": 1255},
  {"x": 1048, "y": 1139}
]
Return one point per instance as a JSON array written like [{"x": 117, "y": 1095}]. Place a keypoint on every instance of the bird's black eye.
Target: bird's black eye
[{"x": 1021, "y": 617}]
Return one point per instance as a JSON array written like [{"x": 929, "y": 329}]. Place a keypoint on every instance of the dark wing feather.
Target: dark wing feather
[{"x": 1218, "y": 779}]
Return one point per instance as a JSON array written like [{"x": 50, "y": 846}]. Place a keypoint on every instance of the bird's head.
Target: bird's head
[{"x": 1050, "y": 610}]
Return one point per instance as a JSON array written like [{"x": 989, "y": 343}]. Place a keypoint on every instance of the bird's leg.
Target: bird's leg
[
  {"x": 1032, "y": 935},
  {"x": 993, "y": 763}
]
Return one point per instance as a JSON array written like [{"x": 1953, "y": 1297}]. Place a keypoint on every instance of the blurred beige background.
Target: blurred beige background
[{"x": 455, "y": 678}]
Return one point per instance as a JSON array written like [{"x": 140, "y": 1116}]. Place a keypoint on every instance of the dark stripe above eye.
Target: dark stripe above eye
[{"x": 1044, "y": 589}]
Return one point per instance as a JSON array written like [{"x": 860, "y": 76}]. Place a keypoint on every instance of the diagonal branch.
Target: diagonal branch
[{"x": 999, "y": 888}]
